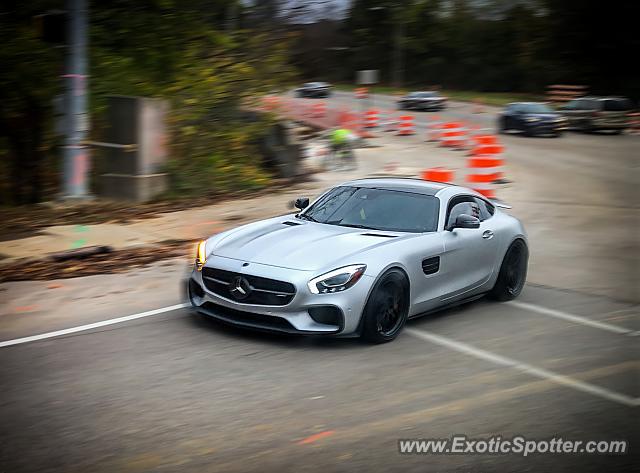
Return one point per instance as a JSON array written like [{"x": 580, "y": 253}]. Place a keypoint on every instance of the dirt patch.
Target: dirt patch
[
  {"x": 104, "y": 263},
  {"x": 26, "y": 221}
]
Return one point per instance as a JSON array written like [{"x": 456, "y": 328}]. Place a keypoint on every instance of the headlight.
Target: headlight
[
  {"x": 201, "y": 255},
  {"x": 337, "y": 280}
]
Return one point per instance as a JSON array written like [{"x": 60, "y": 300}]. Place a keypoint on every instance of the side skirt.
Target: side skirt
[{"x": 450, "y": 305}]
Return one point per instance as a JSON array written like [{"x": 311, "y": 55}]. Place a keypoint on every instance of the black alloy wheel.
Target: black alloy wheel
[
  {"x": 513, "y": 272},
  {"x": 387, "y": 309}
]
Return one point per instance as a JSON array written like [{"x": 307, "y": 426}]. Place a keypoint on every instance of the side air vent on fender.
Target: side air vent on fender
[
  {"x": 291, "y": 224},
  {"x": 431, "y": 265}
]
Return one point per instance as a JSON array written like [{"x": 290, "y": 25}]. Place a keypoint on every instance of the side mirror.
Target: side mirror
[
  {"x": 301, "y": 203},
  {"x": 464, "y": 221}
]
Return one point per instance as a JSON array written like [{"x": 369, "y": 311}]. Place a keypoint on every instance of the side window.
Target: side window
[
  {"x": 486, "y": 209},
  {"x": 464, "y": 205}
]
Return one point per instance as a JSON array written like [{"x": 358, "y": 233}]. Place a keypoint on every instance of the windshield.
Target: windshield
[
  {"x": 536, "y": 108},
  {"x": 422, "y": 94},
  {"x": 377, "y": 209},
  {"x": 617, "y": 105}
]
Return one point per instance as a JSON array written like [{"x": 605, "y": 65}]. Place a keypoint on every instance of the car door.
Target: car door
[
  {"x": 585, "y": 113},
  {"x": 571, "y": 111},
  {"x": 469, "y": 254},
  {"x": 518, "y": 118}
]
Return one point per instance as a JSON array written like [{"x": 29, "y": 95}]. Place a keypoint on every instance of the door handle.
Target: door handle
[{"x": 487, "y": 235}]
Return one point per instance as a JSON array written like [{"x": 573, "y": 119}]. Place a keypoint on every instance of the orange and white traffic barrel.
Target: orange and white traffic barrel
[
  {"x": 485, "y": 139},
  {"x": 318, "y": 110},
  {"x": 371, "y": 118},
  {"x": 453, "y": 135},
  {"x": 485, "y": 168},
  {"x": 438, "y": 174},
  {"x": 362, "y": 93},
  {"x": 406, "y": 126}
]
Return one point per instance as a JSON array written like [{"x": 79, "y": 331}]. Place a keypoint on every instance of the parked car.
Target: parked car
[
  {"x": 427, "y": 101},
  {"x": 598, "y": 113},
  {"x": 361, "y": 260},
  {"x": 314, "y": 89},
  {"x": 532, "y": 118}
]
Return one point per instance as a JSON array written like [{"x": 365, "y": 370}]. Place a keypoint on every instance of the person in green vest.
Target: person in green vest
[{"x": 342, "y": 148}]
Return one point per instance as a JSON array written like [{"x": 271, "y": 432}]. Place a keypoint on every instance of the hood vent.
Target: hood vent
[
  {"x": 291, "y": 224},
  {"x": 381, "y": 235}
]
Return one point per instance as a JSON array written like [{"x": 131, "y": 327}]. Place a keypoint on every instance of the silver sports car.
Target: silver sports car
[{"x": 362, "y": 259}]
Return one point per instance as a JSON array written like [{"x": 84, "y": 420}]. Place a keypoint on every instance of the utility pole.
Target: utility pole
[{"x": 76, "y": 153}]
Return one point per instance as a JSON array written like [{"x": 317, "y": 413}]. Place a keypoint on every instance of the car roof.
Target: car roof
[{"x": 405, "y": 184}]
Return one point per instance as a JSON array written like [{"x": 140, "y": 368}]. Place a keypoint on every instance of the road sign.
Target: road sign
[{"x": 366, "y": 77}]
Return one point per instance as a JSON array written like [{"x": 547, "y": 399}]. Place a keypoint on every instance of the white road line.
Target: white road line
[
  {"x": 82, "y": 328},
  {"x": 572, "y": 318},
  {"x": 524, "y": 367}
]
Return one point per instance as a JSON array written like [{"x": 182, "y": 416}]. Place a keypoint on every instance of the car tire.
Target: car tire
[
  {"x": 513, "y": 272},
  {"x": 587, "y": 127},
  {"x": 387, "y": 308}
]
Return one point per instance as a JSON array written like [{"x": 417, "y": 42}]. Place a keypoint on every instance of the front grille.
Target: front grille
[
  {"x": 268, "y": 322},
  {"x": 260, "y": 291}
]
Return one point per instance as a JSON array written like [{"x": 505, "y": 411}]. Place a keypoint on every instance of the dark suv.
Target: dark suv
[
  {"x": 598, "y": 113},
  {"x": 532, "y": 118}
]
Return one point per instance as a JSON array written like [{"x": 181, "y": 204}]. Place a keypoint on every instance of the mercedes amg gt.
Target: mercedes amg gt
[{"x": 362, "y": 259}]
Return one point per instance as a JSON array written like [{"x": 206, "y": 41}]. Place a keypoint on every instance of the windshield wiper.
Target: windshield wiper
[
  {"x": 307, "y": 217},
  {"x": 354, "y": 225}
]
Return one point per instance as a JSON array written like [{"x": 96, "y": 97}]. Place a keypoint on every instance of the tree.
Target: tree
[
  {"x": 180, "y": 50},
  {"x": 29, "y": 79}
]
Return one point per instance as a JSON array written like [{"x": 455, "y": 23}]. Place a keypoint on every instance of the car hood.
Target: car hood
[{"x": 305, "y": 245}]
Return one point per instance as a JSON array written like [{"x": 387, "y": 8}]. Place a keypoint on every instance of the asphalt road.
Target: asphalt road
[
  {"x": 174, "y": 391},
  {"x": 177, "y": 392}
]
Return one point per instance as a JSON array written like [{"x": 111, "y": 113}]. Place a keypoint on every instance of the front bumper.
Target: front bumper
[
  {"x": 609, "y": 124},
  {"x": 317, "y": 93},
  {"x": 542, "y": 128},
  {"x": 301, "y": 315},
  {"x": 431, "y": 105}
]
